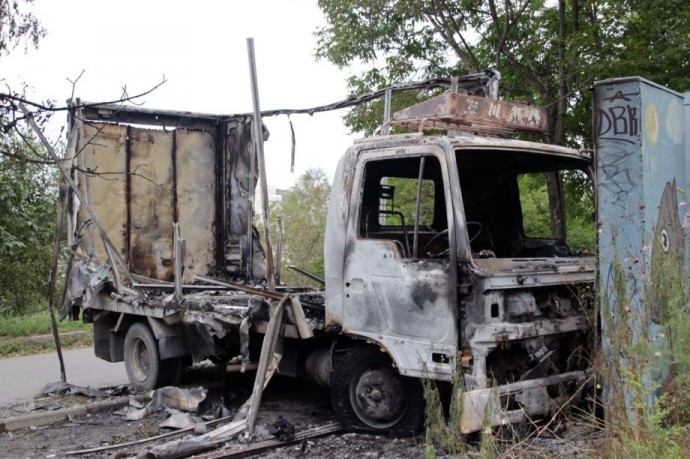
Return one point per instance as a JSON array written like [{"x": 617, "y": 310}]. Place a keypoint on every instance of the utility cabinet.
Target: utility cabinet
[{"x": 642, "y": 170}]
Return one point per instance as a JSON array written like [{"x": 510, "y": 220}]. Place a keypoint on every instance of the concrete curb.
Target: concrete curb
[{"x": 51, "y": 417}]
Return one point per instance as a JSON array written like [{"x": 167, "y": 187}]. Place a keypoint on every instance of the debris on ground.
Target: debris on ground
[
  {"x": 181, "y": 421},
  {"x": 63, "y": 388},
  {"x": 306, "y": 406},
  {"x": 282, "y": 429},
  {"x": 172, "y": 398}
]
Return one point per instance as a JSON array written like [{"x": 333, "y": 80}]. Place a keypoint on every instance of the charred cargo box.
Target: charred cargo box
[
  {"x": 142, "y": 170},
  {"x": 144, "y": 177}
]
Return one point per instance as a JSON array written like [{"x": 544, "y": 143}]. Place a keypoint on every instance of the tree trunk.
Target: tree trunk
[{"x": 558, "y": 135}]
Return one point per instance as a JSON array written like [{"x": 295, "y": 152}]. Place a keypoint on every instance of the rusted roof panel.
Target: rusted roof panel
[{"x": 471, "y": 113}]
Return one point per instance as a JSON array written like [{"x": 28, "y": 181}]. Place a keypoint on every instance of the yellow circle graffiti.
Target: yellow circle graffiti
[{"x": 651, "y": 124}]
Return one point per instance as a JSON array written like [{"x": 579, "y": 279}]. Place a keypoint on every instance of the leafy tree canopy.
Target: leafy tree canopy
[
  {"x": 548, "y": 53},
  {"x": 18, "y": 26},
  {"x": 303, "y": 211},
  {"x": 28, "y": 192}
]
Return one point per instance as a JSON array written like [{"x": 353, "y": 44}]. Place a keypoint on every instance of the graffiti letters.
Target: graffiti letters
[
  {"x": 616, "y": 121},
  {"x": 620, "y": 95},
  {"x": 615, "y": 168},
  {"x": 617, "y": 128}
]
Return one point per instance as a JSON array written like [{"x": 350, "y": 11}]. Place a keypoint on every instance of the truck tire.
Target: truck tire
[
  {"x": 369, "y": 395},
  {"x": 145, "y": 369}
]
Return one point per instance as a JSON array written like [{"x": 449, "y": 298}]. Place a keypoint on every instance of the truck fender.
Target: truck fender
[
  {"x": 170, "y": 339},
  {"x": 358, "y": 339}
]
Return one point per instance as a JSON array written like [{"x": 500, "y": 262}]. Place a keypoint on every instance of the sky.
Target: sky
[{"x": 200, "y": 48}]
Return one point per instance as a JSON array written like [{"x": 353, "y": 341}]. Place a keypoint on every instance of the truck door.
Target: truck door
[{"x": 399, "y": 273}]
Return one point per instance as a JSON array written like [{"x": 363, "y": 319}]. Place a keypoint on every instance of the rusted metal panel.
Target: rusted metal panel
[
  {"x": 477, "y": 114},
  {"x": 196, "y": 182},
  {"x": 107, "y": 158},
  {"x": 151, "y": 203}
]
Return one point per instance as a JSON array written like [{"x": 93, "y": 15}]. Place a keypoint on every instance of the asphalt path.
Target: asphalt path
[{"x": 23, "y": 377}]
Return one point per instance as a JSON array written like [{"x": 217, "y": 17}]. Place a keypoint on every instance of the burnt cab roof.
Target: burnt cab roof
[{"x": 469, "y": 142}]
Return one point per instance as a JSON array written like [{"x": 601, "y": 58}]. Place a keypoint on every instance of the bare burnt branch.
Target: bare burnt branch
[{"x": 48, "y": 107}]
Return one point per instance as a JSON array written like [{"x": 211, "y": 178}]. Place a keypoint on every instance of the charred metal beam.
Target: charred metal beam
[
  {"x": 484, "y": 83},
  {"x": 242, "y": 288},
  {"x": 314, "y": 432},
  {"x": 166, "y": 286},
  {"x": 119, "y": 113},
  {"x": 62, "y": 203},
  {"x": 174, "y": 177},
  {"x": 303, "y": 327},
  {"x": 306, "y": 273},
  {"x": 259, "y": 152},
  {"x": 128, "y": 195},
  {"x": 272, "y": 340},
  {"x": 221, "y": 225},
  {"x": 253, "y": 291},
  {"x": 179, "y": 249}
]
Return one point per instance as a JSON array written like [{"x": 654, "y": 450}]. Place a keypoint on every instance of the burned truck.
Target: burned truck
[{"x": 432, "y": 269}]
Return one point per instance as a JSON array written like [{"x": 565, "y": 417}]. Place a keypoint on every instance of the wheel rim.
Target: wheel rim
[
  {"x": 378, "y": 396},
  {"x": 140, "y": 361}
]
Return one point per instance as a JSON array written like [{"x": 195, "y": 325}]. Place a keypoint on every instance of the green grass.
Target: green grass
[
  {"x": 15, "y": 348},
  {"x": 18, "y": 334},
  {"x": 36, "y": 324}
]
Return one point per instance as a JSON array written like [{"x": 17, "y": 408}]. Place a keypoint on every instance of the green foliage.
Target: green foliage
[
  {"x": 655, "y": 42},
  {"x": 28, "y": 192},
  {"x": 579, "y": 209},
  {"x": 30, "y": 346},
  {"x": 548, "y": 53},
  {"x": 36, "y": 324},
  {"x": 428, "y": 38},
  {"x": 534, "y": 201},
  {"x": 405, "y": 201},
  {"x": 303, "y": 212},
  {"x": 443, "y": 434},
  {"x": 17, "y": 25},
  {"x": 26, "y": 334},
  {"x": 440, "y": 434}
]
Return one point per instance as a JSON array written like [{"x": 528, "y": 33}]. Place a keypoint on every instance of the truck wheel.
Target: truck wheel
[
  {"x": 369, "y": 395},
  {"x": 145, "y": 369}
]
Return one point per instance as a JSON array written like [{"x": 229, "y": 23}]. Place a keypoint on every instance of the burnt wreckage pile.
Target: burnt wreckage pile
[{"x": 439, "y": 281}]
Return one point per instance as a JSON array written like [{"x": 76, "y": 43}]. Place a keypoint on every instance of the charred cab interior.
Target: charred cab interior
[
  {"x": 515, "y": 204},
  {"x": 403, "y": 200}
]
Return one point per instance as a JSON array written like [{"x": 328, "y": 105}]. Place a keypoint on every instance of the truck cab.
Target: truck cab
[{"x": 434, "y": 258}]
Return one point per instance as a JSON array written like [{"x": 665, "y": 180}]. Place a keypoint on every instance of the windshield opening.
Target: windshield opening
[{"x": 525, "y": 204}]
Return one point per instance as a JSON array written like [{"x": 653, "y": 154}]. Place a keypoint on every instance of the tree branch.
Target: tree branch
[{"x": 47, "y": 108}]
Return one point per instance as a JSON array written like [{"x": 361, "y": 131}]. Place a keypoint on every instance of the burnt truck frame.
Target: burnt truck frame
[{"x": 428, "y": 270}]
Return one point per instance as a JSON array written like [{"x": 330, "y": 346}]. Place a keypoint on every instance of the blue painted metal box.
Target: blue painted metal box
[{"x": 641, "y": 142}]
